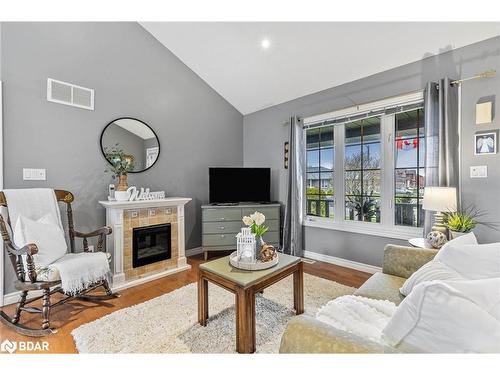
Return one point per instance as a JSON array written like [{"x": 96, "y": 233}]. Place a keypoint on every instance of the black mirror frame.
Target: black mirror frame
[{"x": 136, "y": 119}]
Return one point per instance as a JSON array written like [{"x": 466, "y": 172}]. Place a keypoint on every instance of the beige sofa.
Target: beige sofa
[{"x": 305, "y": 334}]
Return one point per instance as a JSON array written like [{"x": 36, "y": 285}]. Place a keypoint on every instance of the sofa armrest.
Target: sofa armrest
[
  {"x": 305, "y": 334},
  {"x": 403, "y": 261}
]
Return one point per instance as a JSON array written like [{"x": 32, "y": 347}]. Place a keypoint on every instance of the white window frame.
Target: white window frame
[{"x": 386, "y": 227}]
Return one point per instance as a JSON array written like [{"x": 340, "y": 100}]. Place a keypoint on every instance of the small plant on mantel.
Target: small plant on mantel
[{"x": 121, "y": 164}]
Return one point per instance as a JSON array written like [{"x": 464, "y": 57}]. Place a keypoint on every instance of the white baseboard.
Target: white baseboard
[
  {"x": 13, "y": 297},
  {"x": 194, "y": 251},
  {"x": 342, "y": 262}
]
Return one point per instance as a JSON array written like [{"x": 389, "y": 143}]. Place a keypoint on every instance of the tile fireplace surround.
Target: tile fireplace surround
[{"x": 123, "y": 217}]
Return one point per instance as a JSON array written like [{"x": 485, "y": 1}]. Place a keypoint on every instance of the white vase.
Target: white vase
[
  {"x": 122, "y": 196},
  {"x": 454, "y": 234}
]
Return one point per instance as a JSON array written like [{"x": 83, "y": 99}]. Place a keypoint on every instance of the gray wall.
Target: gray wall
[
  {"x": 133, "y": 75},
  {"x": 266, "y": 128}
]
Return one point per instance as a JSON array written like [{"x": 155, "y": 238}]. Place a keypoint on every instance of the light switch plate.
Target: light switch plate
[
  {"x": 483, "y": 113},
  {"x": 32, "y": 174},
  {"x": 479, "y": 171}
]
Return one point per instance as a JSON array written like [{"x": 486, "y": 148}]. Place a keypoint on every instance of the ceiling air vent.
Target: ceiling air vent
[{"x": 69, "y": 94}]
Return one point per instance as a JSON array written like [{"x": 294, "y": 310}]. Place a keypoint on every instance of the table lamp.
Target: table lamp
[{"x": 440, "y": 199}]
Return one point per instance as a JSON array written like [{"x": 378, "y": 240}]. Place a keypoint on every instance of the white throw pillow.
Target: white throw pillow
[
  {"x": 466, "y": 239},
  {"x": 434, "y": 270},
  {"x": 46, "y": 234},
  {"x": 448, "y": 317},
  {"x": 472, "y": 261}
]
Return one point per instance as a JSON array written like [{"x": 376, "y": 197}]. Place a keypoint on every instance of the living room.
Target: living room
[{"x": 242, "y": 188}]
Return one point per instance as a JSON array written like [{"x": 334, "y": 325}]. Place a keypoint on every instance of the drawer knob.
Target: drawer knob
[
  {"x": 222, "y": 218},
  {"x": 222, "y": 236},
  {"x": 222, "y": 228}
]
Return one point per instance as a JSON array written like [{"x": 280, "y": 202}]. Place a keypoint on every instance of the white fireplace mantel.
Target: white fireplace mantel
[
  {"x": 114, "y": 219},
  {"x": 130, "y": 205}
]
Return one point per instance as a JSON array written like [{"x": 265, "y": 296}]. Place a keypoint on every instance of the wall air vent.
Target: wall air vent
[{"x": 69, "y": 94}]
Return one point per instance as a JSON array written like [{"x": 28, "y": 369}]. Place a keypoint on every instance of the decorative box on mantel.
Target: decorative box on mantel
[{"x": 147, "y": 240}]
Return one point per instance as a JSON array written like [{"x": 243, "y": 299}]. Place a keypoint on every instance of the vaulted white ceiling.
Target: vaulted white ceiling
[{"x": 303, "y": 58}]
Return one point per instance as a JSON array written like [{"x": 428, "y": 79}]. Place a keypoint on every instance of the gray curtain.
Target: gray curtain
[
  {"x": 294, "y": 204},
  {"x": 441, "y": 138}
]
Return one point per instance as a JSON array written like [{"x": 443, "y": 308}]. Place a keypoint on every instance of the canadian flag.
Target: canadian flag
[{"x": 406, "y": 144}]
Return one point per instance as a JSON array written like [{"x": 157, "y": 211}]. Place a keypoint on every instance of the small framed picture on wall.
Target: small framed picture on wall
[{"x": 485, "y": 143}]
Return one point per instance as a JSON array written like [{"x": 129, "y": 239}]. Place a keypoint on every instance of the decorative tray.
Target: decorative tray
[{"x": 258, "y": 265}]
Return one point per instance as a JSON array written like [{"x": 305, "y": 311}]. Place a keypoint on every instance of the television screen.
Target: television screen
[{"x": 234, "y": 185}]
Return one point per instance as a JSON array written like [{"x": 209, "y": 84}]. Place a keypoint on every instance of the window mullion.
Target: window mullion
[
  {"x": 339, "y": 173},
  {"x": 387, "y": 172}
]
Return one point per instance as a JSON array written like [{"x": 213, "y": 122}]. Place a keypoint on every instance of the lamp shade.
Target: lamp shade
[{"x": 443, "y": 199}]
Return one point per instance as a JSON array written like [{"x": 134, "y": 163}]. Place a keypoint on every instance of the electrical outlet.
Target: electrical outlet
[
  {"x": 32, "y": 174},
  {"x": 479, "y": 171}
]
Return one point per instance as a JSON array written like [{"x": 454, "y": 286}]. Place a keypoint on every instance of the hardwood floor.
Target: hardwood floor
[{"x": 67, "y": 317}]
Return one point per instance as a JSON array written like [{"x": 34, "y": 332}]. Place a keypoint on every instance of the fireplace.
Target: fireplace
[{"x": 151, "y": 244}]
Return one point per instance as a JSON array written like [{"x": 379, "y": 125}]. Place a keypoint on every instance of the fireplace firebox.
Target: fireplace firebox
[{"x": 151, "y": 244}]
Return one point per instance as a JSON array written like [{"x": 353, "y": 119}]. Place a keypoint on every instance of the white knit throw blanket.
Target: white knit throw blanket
[
  {"x": 81, "y": 270},
  {"x": 361, "y": 316}
]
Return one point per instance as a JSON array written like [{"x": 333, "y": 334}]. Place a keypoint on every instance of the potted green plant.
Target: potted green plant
[
  {"x": 464, "y": 221},
  {"x": 459, "y": 223}
]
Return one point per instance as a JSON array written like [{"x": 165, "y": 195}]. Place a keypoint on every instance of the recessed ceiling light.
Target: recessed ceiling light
[{"x": 265, "y": 44}]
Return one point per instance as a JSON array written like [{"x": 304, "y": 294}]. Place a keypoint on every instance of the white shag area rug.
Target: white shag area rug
[{"x": 169, "y": 323}]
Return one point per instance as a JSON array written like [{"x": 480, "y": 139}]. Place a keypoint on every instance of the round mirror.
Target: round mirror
[{"x": 130, "y": 140}]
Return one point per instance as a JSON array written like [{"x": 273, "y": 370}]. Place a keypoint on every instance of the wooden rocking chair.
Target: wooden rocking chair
[{"x": 28, "y": 283}]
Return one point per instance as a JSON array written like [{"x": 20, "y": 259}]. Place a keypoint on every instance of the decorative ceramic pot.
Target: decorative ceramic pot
[
  {"x": 454, "y": 234},
  {"x": 436, "y": 239},
  {"x": 122, "y": 196},
  {"x": 122, "y": 183}
]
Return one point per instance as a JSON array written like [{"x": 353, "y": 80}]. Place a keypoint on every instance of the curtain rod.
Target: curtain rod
[{"x": 485, "y": 74}]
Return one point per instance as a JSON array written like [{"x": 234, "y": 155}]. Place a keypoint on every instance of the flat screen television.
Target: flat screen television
[{"x": 235, "y": 185}]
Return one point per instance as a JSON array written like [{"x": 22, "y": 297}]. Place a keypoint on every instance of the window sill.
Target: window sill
[{"x": 372, "y": 229}]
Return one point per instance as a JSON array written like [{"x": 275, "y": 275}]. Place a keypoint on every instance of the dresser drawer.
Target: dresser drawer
[
  {"x": 222, "y": 214},
  {"x": 219, "y": 240},
  {"x": 272, "y": 237},
  {"x": 269, "y": 212},
  {"x": 273, "y": 225},
  {"x": 212, "y": 227}
]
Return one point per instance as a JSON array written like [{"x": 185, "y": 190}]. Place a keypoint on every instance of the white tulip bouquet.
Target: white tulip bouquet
[{"x": 256, "y": 223}]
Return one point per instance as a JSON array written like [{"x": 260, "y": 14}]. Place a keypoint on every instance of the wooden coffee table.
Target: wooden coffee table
[{"x": 245, "y": 284}]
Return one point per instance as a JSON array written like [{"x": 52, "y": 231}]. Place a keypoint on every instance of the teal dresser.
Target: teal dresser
[{"x": 220, "y": 224}]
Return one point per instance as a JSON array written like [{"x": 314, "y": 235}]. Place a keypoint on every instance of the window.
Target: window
[
  {"x": 320, "y": 160},
  {"x": 409, "y": 171},
  {"x": 365, "y": 168},
  {"x": 362, "y": 170}
]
